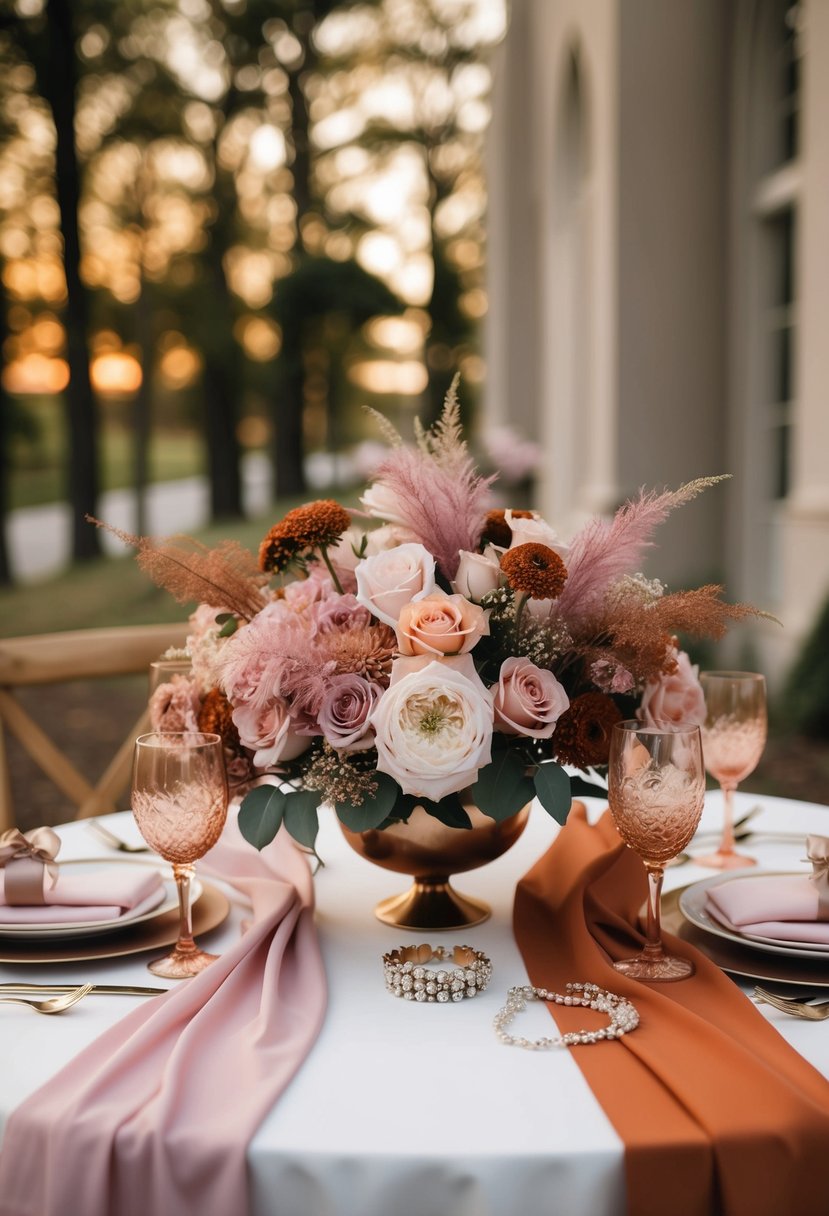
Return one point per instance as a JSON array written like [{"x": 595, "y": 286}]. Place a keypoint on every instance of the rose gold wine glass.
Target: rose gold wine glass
[
  {"x": 179, "y": 800},
  {"x": 656, "y": 789},
  {"x": 733, "y": 738}
]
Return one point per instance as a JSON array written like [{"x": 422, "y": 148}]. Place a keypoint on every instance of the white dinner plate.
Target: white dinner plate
[
  {"x": 692, "y": 901},
  {"x": 156, "y": 904}
]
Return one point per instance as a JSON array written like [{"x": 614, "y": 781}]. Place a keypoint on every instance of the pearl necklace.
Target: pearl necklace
[{"x": 623, "y": 1016}]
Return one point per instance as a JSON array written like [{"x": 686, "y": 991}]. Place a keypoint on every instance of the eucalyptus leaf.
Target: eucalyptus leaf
[
  {"x": 448, "y": 811},
  {"x": 301, "y": 818},
  {"x": 552, "y": 786},
  {"x": 260, "y": 815},
  {"x": 372, "y": 811},
  {"x": 502, "y": 788},
  {"x": 578, "y": 785}
]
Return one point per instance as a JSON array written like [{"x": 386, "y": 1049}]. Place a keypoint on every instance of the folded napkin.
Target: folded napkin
[
  {"x": 90, "y": 896},
  {"x": 718, "y": 1114},
  {"x": 785, "y": 907},
  {"x": 155, "y": 1116}
]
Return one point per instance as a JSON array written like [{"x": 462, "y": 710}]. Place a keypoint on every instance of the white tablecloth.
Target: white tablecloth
[{"x": 404, "y": 1109}]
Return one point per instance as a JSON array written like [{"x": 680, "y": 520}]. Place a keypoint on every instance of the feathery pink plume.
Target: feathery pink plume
[
  {"x": 605, "y": 550},
  {"x": 443, "y": 506}
]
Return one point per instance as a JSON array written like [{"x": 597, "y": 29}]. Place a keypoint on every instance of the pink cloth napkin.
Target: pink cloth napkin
[
  {"x": 780, "y": 906},
  {"x": 155, "y": 1116},
  {"x": 78, "y": 897}
]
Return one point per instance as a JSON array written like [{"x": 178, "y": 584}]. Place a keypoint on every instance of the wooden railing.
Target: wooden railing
[{"x": 59, "y": 658}]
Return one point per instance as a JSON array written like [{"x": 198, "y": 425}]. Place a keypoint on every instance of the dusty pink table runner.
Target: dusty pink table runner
[{"x": 156, "y": 1115}]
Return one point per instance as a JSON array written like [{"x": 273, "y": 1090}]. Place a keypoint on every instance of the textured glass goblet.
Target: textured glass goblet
[
  {"x": 733, "y": 738},
  {"x": 179, "y": 800},
  {"x": 164, "y": 671},
  {"x": 656, "y": 789}
]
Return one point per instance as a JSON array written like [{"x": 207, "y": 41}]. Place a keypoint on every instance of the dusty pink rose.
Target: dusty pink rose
[
  {"x": 528, "y": 700},
  {"x": 268, "y": 732},
  {"x": 343, "y": 717},
  {"x": 389, "y": 580},
  {"x": 174, "y": 706},
  {"x": 477, "y": 573},
  {"x": 433, "y": 726},
  {"x": 676, "y": 699},
  {"x": 611, "y": 677},
  {"x": 440, "y": 624}
]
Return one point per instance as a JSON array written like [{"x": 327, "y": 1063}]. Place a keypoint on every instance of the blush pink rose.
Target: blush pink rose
[
  {"x": 528, "y": 700},
  {"x": 676, "y": 699},
  {"x": 389, "y": 580},
  {"x": 268, "y": 733},
  {"x": 440, "y": 624}
]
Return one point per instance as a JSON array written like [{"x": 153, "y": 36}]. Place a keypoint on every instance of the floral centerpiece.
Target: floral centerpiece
[{"x": 429, "y": 645}]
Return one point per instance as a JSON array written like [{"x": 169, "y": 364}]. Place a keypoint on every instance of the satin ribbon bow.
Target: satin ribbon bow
[
  {"x": 25, "y": 858},
  {"x": 817, "y": 849}
]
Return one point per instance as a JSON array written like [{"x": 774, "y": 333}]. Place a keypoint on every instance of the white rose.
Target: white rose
[
  {"x": 433, "y": 726},
  {"x": 534, "y": 531},
  {"x": 477, "y": 573},
  {"x": 388, "y": 536},
  {"x": 393, "y": 578},
  {"x": 381, "y": 503}
]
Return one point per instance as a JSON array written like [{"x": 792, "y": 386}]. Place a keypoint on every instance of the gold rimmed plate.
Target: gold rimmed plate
[
  {"x": 802, "y": 972},
  {"x": 210, "y": 912}
]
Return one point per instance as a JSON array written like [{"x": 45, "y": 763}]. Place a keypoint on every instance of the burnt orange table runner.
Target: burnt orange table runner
[{"x": 718, "y": 1114}]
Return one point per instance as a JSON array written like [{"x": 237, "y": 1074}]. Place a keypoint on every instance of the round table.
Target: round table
[{"x": 406, "y": 1109}]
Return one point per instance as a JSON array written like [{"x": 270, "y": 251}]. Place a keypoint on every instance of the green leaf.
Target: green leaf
[
  {"x": 230, "y": 626},
  {"x": 448, "y": 811},
  {"x": 578, "y": 785},
  {"x": 502, "y": 788},
  {"x": 552, "y": 785},
  {"x": 261, "y": 814},
  {"x": 301, "y": 818},
  {"x": 372, "y": 811}
]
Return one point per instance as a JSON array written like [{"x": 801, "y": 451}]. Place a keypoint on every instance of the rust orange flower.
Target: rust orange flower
[
  {"x": 582, "y": 734},
  {"x": 215, "y": 718},
  {"x": 317, "y": 523},
  {"x": 536, "y": 570},
  {"x": 496, "y": 529}
]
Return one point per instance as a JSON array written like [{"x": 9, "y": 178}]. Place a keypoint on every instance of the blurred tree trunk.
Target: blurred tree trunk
[
  {"x": 289, "y": 403},
  {"x": 222, "y": 379},
  {"x": 5, "y": 437},
  {"x": 58, "y": 87}
]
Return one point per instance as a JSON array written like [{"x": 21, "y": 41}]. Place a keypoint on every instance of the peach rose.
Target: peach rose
[
  {"x": 528, "y": 700},
  {"x": 477, "y": 573},
  {"x": 676, "y": 699},
  {"x": 389, "y": 580},
  {"x": 440, "y": 625}
]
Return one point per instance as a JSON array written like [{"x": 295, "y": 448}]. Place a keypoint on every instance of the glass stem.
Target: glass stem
[
  {"x": 183, "y": 875},
  {"x": 727, "y": 842},
  {"x": 653, "y": 930}
]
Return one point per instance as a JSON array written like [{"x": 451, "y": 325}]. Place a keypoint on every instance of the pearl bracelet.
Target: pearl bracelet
[
  {"x": 408, "y": 978},
  {"x": 623, "y": 1016}
]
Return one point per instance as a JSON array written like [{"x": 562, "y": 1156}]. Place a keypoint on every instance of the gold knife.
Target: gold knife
[{"x": 101, "y": 989}]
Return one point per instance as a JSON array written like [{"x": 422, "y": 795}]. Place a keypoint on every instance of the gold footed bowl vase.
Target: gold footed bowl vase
[{"x": 431, "y": 852}]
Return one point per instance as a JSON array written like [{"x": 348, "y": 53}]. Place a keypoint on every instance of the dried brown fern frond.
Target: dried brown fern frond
[
  {"x": 640, "y": 638},
  {"x": 225, "y": 577}
]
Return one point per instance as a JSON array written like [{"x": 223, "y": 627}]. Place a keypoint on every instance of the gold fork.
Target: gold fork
[
  {"x": 55, "y": 1004},
  {"x": 797, "y": 1009}
]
